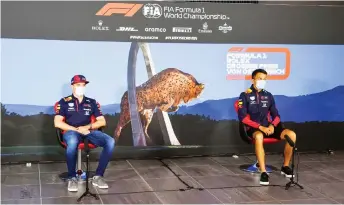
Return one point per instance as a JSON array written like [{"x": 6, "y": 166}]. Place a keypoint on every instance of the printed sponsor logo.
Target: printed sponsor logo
[
  {"x": 252, "y": 98},
  {"x": 225, "y": 28},
  {"x": 126, "y": 9},
  {"x": 123, "y": 28},
  {"x": 205, "y": 29},
  {"x": 156, "y": 30},
  {"x": 71, "y": 104},
  {"x": 144, "y": 37},
  {"x": 181, "y": 29},
  {"x": 152, "y": 11},
  {"x": 100, "y": 27},
  {"x": 242, "y": 61},
  {"x": 182, "y": 38}
]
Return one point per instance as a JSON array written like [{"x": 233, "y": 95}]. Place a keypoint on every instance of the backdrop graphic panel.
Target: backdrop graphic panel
[{"x": 307, "y": 99}]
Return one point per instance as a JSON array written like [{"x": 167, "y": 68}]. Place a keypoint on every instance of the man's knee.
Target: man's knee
[
  {"x": 108, "y": 141},
  {"x": 71, "y": 138},
  {"x": 291, "y": 134},
  {"x": 258, "y": 137}
]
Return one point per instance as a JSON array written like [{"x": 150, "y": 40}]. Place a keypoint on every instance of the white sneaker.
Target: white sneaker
[
  {"x": 99, "y": 182},
  {"x": 73, "y": 184}
]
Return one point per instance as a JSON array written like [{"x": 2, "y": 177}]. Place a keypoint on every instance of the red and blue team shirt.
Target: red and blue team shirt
[
  {"x": 78, "y": 113},
  {"x": 257, "y": 108}
]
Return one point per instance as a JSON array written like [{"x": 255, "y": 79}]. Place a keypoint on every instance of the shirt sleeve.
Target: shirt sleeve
[
  {"x": 274, "y": 112},
  {"x": 96, "y": 109},
  {"x": 242, "y": 112},
  {"x": 60, "y": 108}
]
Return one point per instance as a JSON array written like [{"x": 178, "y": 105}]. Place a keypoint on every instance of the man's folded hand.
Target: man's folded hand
[
  {"x": 86, "y": 127},
  {"x": 271, "y": 129},
  {"x": 83, "y": 130},
  {"x": 264, "y": 130}
]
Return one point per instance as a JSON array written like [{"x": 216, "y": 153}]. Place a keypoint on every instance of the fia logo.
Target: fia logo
[{"x": 152, "y": 11}]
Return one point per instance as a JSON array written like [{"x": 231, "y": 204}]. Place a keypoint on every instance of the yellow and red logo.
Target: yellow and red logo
[
  {"x": 240, "y": 65},
  {"x": 126, "y": 9}
]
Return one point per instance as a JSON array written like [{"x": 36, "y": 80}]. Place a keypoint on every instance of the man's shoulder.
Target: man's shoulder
[
  {"x": 66, "y": 99},
  {"x": 90, "y": 100},
  {"x": 267, "y": 92},
  {"x": 247, "y": 92}
]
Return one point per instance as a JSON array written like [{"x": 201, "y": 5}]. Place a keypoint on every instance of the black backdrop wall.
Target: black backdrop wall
[{"x": 251, "y": 23}]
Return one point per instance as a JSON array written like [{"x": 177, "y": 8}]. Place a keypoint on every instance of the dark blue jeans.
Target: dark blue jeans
[{"x": 98, "y": 138}]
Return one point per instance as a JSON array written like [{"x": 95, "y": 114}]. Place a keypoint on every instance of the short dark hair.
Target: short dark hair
[{"x": 255, "y": 72}]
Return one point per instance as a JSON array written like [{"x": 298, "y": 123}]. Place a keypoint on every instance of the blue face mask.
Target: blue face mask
[{"x": 260, "y": 84}]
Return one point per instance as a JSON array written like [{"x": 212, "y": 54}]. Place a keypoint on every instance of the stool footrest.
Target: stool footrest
[{"x": 253, "y": 168}]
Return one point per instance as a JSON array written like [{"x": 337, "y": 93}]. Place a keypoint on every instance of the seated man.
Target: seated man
[
  {"x": 77, "y": 111},
  {"x": 254, "y": 106}
]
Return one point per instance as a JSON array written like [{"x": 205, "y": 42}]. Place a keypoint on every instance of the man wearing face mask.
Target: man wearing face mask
[
  {"x": 255, "y": 107},
  {"x": 77, "y": 110}
]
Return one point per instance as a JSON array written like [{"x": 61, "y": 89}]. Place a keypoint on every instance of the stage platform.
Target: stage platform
[{"x": 215, "y": 180}]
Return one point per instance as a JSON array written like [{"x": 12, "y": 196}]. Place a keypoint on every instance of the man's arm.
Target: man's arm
[
  {"x": 58, "y": 120},
  {"x": 274, "y": 113},
  {"x": 59, "y": 123},
  {"x": 242, "y": 112},
  {"x": 101, "y": 122}
]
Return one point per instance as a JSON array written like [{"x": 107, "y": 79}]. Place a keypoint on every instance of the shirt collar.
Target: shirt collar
[{"x": 76, "y": 99}]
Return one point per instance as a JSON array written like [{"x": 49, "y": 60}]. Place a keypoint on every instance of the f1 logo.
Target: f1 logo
[{"x": 127, "y": 9}]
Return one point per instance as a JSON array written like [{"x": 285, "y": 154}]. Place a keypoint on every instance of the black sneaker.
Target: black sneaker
[
  {"x": 264, "y": 179},
  {"x": 286, "y": 171}
]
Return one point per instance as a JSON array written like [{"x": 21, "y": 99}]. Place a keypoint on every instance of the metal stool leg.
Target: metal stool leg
[
  {"x": 79, "y": 171},
  {"x": 79, "y": 159}
]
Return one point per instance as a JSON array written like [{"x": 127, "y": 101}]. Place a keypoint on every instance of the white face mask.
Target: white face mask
[
  {"x": 261, "y": 84},
  {"x": 80, "y": 91}
]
